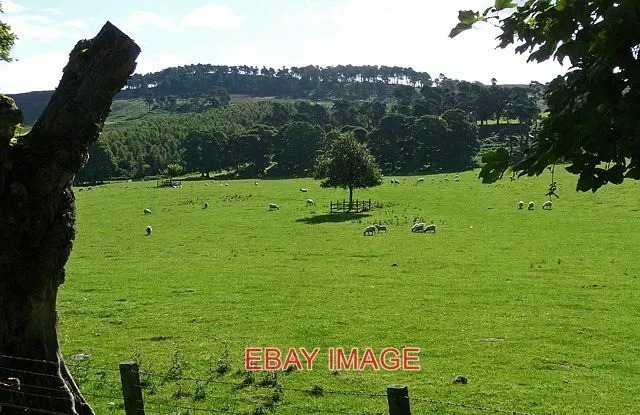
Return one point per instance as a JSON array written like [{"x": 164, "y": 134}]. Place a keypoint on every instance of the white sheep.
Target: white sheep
[
  {"x": 371, "y": 230},
  {"x": 255, "y": 183},
  {"x": 147, "y": 211},
  {"x": 149, "y": 230},
  {"x": 547, "y": 205},
  {"x": 381, "y": 228},
  {"x": 420, "y": 180},
  {"x": 310, "y": 202},
  {"x": 81, "y": 189},
  {"x": 273, "y": 206},
  {"x": 521, "y": 204},
  {"x": 531, "y": 205},
  {"x": 430, "y": 228},
  {"x": 206, "y": 205},
  {"x": 418, "y": 227},
  {"x": 303, "y": 190},
  {"x": 206, "y": 184}
]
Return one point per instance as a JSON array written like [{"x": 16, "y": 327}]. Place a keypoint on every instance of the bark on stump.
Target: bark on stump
[{"x": 37, "y": 218}]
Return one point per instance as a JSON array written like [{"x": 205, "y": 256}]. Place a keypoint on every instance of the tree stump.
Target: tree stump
[{"x": 37, "y": 221}]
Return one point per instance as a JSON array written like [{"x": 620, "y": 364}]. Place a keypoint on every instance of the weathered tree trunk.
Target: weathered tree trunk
[{"x": 37, "y": 216}]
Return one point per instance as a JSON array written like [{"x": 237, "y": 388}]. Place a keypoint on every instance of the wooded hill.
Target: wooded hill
[{"x": 410, "y": 121}]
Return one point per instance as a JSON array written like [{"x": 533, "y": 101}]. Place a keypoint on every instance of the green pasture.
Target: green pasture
[{"x": 539, "y": 310}]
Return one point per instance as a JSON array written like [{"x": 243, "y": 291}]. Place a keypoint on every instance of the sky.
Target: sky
[{"x": 271, "y": 33}]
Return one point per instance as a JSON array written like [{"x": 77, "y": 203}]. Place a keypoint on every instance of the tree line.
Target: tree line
[
  {"x": 210, "y": 83},
  {"x": 284, "y": 138}
]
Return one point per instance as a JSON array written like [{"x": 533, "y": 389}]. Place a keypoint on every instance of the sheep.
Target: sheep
[
  {"x": 381, "y": 228},
  {"x": 521, "y": 204},
  {"x": 81, "y": 189},
  {"x": 147, "y": 211},
  {"x": 255, "y": 183},
  {"x": 88, "y": 188},
  {"x": 420, "y": 180},
  {"x": 273, "y": 206},
  {"x": 418, "y": 227},
  {"x": 206, "y": 205},
  {"x": 395, "y": 181},
  {"x": 206, "y": 184},
  {"x": 531, "y": 205},
  {"x": 303, "y": 190},
  {"x": 547, "y": 204},
  {"x": 371, "y": 230},
  {"x": 149, "y": 230},
  {"x": 430, "y": 228},
  {"x": 226, "y": 184},
  {"x": 310, "y": 202}
]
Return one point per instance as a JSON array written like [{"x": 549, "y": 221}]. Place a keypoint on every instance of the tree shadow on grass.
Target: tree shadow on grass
[{"x": 333, "y": 218}]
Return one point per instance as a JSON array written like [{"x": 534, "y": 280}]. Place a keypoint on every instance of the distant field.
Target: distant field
[{"x": 538, "y": 309}]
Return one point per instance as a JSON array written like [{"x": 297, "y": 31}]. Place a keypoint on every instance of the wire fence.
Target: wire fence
[{"x": 35, "y": 386}]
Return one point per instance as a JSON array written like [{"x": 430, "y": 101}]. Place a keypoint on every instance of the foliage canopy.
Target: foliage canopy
[
  {"x": 593, "y": 121},
  {"x": 348, "y": 164},
  {"x": 7, "y": 40}
]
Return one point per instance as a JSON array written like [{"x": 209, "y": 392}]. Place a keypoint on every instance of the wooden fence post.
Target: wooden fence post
[
  {"x": 398, "y": 398},
  {"x": 131, "y": 389}
]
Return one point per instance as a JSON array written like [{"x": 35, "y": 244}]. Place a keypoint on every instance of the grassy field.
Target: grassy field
[{"x": 539, "y": 310}]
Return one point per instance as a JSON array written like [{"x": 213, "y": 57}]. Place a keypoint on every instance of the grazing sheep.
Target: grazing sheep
[
  {"x": 149, "y": 230},
  {"x": 310, "y": 202},
  {"x": 547, "y": 205},
  {"x": 206, "y": 205},
  {"x": 430, "y": 228},
  {"x": 226, "y": 184},
  {"x": 255, "y": 183},
  {"x": 371, "y": 230},
  {"x": 418, "y": 227},
  {"x": 395, "y": 181},
  {"x": 273, "y": 206},
  {"x": 381, "y": 228},
  {"x": 88, "y": 188},
  {"x": 81, "y": 189},
  {"x": 521, "y": 204},
  {"x": 531, "y": 205},
  {"x": 303, "y": 190},
  {"x": 206, "y": 184},
  {"x": 147, "y": 211},
  {"x": 420, "y": 180}
]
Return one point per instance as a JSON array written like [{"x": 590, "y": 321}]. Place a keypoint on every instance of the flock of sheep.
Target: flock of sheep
[
  {"x": 546, "y": 205},
  {"x": 416, "y": 228},
  {"x": 419, "y": 227}
]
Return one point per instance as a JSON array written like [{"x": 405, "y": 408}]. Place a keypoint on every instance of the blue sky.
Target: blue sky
[{"x": 270, "y": 33}]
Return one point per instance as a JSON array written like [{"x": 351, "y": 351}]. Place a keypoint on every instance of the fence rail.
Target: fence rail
[
  {"x": 134, "y": 402},
  {"x": 357, "y": 206}
]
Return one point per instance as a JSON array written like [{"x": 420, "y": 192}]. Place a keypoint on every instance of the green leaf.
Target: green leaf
[
  {"x": 468, "y": 16},
  {"x": 561, "y": 5},
  {"x": 495, "y": 164},
  {"x": 504, "y": 4},
  {"x": 460, "y": 27}
]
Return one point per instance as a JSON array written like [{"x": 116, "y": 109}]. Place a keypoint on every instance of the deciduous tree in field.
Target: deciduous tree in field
[
  {"x": 594, "y": 107},
  {"x": 37, "y": 216},
  {"x": 348, "y": 164}
]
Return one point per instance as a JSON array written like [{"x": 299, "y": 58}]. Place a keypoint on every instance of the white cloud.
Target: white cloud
[
  {"x": 412, "y": 33},
  {"x": 10, "y": 7},
  {"x": 212, "y": 16},
  {"x": 76, "y": 23},
  {"x": 139, "y": 19},
  {"x": 54, "y": 11},
  {"x": 41, "y": 28},
  {"x": 36, "y": 73}
]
